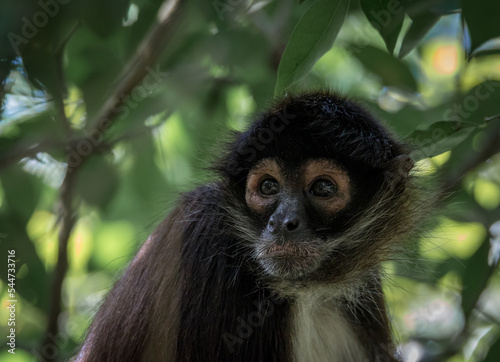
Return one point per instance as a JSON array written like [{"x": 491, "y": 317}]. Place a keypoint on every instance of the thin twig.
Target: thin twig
[
  {"x": 29, "y": 151},
  {"x": 65, "y": 214},
  {"x": 61, "y": 83},
  {"x": 67, "y": 220}
]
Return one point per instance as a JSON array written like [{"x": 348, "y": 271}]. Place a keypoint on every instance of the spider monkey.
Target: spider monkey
[{"x": 279, "y": 258}]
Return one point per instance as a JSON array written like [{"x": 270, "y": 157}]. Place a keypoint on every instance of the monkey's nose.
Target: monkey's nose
[
  {"x": 288, "y": 225},
  {"x": 271, "y": 226},
  {"x": 291, "y": 224}
]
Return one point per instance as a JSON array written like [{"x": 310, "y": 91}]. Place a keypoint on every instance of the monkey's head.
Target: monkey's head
[{"x": 321, "y": 189}]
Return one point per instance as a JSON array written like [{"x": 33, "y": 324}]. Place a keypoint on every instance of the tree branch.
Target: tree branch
[
  {"x": 67, "y": 220},
  {"x": 29, "y": 151},
  {"x": 145, "y": 57},
  {"x": 138, "y": 67}
]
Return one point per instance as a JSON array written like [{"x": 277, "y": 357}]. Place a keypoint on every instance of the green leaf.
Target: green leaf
[
  {"x": 21, "y": 191},
  {"x": 438, "y": 138},
  {"x": 402, "y": 122},
  {"x": 484, "y": 101},
  {"x": 312, "y": 37},
  {"x": 445, "y": 7},
  {"x": 490, "y": 47},
  {"x": 475, "y": 277},
  {"x": 103, "y": 17},
  {"x": 461, "y": 206},
  {"x": 479, "y": 104},
  {"x": 482, "y": 20},
  {"x": 41, "y": 69},
  {"x": 95, "y": 65},
  {"x": 444, "y": 267},
  {"x": 418, "y": 29},
  {"x": 387, "y": 17},
  {"x": 32, "y": 286},
  {"x": 392, "y": 71},
  {"x": 409, "y": 118},
  {"x": 494, "y": 352}
]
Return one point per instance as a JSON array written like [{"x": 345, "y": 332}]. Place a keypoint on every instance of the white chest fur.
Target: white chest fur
[{"x": 322, "y": 334}]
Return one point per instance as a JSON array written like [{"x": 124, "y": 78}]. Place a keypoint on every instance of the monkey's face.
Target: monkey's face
[{"x": 300, "y": 209}]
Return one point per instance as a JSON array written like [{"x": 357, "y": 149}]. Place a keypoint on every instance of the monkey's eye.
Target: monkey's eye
[
  {"x": 268, "y": 187},
  {"x": 323, "y": 188}
]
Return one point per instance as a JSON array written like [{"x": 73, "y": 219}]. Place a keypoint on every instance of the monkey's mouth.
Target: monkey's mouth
[
  {"x": 288, "y": 250},
  {"x": 289, "y": 260}
]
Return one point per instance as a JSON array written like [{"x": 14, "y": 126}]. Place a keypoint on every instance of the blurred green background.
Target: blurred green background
[{"x": 110, "y": 109}]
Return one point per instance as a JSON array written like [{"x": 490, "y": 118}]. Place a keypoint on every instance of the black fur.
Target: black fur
[
  {"x": 315, "y": 125},
  {"x": 223, "y": 293},
  {"x": 197, "y": 279}
]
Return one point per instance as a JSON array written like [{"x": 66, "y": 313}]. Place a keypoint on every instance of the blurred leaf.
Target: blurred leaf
[
  {"x": 494, "y": 352},
  {"x": 6, "y": 64},
  {"x": 446, "y": 266},
  {"x": 40, "y": 66},
  {"x": 44, "y": 29},
  {"x": 475, "y": 277},
  {"x": 438, "y": 138},
  {"x": 409, "y": 118},
  {"x": 392, "y": 71},
  {"x": 422, "y": 269},
  {"x": 418, "y": 29},
  {"x": 477, "y": 107},
  {"x": 131, "y": 117},
  {"x": 11, "y": 27},
  {"x": 142, "y": 152},
  {"x": 404, "y": 121},
  {"x": 33, "y": 285},
  {"x": 312, "y": 37},
  {"x": 461, "y": 206},
  {"x": 482, "y": 20},
  {"x": 415, "y": 8},
  {"x": 7, "y": 145},
  {"x": 104, "y": 17},
  {"x": 95, "y": 66},
  {"x": 483, "y": 101},
  {"x": 387, "y": 17},
  {"x": 97, "y": 182},
  {"x": 491, "y": 47},
  {"x": 222, "y": 12},
  {"x": 21, "y": 192},
  {"x": 445, "y": 7},
  {"x": 112, "y": 240},
  {"x": 25, "y": 132},
  {"x": 39, "y": 126}
]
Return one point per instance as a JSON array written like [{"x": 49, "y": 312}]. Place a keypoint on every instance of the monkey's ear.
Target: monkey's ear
[{"x": 397, "y": 170}]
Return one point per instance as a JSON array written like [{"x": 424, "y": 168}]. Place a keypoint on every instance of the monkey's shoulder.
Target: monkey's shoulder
[
  {"x": 204, "y": 212},
  {"x": 204, "y": 202}
]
